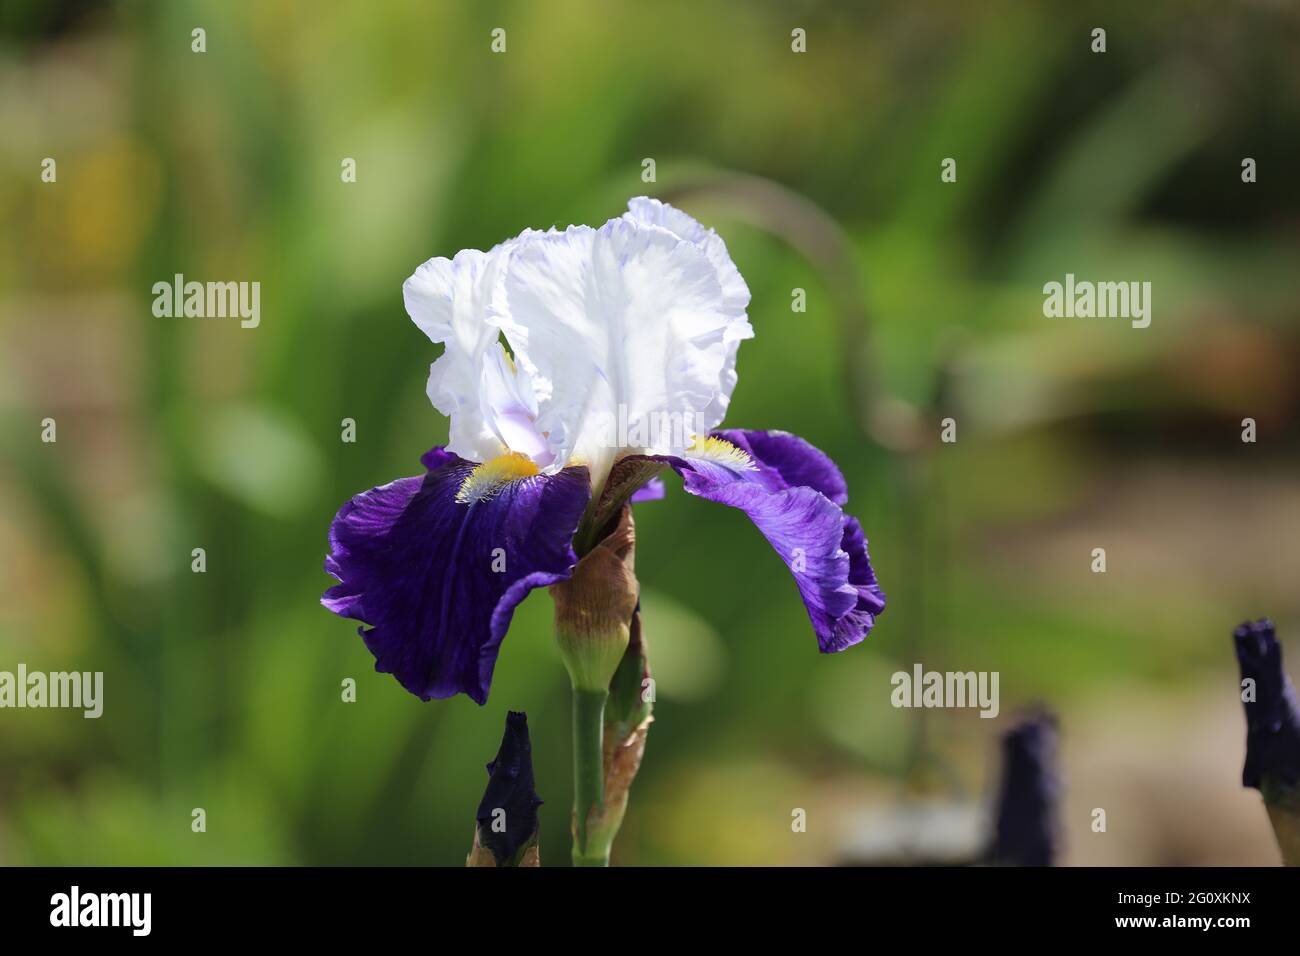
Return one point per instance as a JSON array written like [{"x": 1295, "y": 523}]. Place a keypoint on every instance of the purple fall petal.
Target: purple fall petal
[
  {"x": 793, "y": 496},
  {"x": 792, "y": 461},
  {"x": 437, "y": 579},
  {"x": 857, "y": 623}
]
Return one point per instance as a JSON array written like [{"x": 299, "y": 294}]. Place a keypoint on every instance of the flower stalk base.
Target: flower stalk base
[{"x": 598, "y": 629}]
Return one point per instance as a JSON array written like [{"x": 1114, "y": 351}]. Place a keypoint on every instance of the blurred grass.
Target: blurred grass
[{"x": 223, "y": 688}]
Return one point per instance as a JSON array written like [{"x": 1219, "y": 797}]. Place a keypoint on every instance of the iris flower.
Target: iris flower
[{"x": 576, "y": 366}]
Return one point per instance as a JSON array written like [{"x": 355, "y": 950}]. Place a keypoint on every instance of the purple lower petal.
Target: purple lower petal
[
  {"x": 436, "y": 457},
  {"x": 438, "y": 580},
  {"x": 795, "y": 461},
  {"x": 857, "y": 623},
  {"x": 824, "y": 548}
]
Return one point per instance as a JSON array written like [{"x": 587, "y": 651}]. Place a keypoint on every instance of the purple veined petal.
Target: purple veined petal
[
  {"x": 795, "y": 461},
  {"x": 857, "y": 623},
  {"x": 437, "y": 572},
  {"x": 823, "y": 547},
  {"x": 436, "y": 457},
  {"x": 804, "y": 527}
]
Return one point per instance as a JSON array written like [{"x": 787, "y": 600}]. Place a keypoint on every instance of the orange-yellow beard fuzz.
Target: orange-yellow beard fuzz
[
  {"x": 491, "y": 476},
  {"x": 721, "y": 451}
]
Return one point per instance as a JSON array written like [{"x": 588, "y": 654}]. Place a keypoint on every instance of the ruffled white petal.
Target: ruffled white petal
[
  {"x": 652, "y": 212},
  {"x": 624, "y": 339},
  {"x": 449, "y": 299},
  {"x": 628, "y": 329},
  {"x": 734, "y": 290},
  {"x": 509, "y": 400},
  {"x": 454, "y": 302}
]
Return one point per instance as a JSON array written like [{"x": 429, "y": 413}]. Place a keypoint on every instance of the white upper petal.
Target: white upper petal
[
  {"x": 454, "y": 302},
  {"x": 652, "y": 212},
  {"x": 735, "y": 291},
  {"x": 624, "y": 339},
  {"x": 449, "y": 300},
  {"x": 629, "y": 333}
]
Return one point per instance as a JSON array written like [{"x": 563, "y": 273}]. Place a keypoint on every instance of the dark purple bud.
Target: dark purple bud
[
  {"x": 507, "y": 816},
  {"x": 1272, "y": 715},
  {"x": 1027, "y": 831}
]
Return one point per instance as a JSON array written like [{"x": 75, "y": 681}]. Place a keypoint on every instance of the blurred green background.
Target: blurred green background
[{"x": 821, "y": 170}]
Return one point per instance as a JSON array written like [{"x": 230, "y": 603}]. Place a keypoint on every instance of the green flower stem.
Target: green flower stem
[
  {"x": 595, "y": 614},
  {"x": 588, "y": 776}
]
